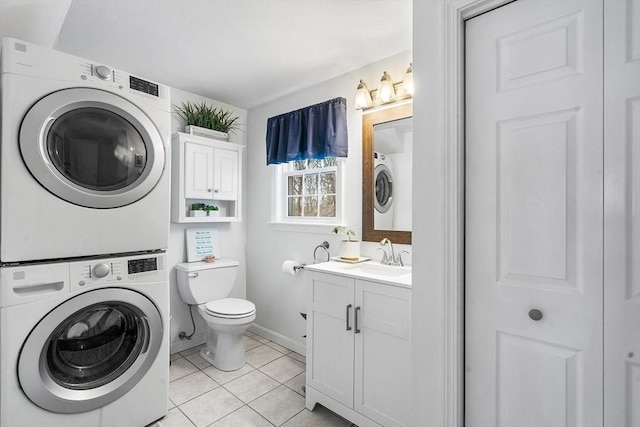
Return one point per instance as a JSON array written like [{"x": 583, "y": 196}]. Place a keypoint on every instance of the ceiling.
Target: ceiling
[{"x": 241, "y": 52}]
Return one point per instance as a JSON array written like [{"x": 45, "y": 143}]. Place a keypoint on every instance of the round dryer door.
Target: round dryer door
[
  {"x": 90, "y": 350},
  {"x": 383, "y": 183},
  {"x": 92, "y": 148}
]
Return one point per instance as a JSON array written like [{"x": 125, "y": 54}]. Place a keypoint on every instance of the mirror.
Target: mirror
[{"x": 387, "y": 141}]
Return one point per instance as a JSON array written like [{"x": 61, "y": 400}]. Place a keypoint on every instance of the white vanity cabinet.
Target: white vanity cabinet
[
  {"x": 359, "y": 349},
  {"x": 206, "y": 171}
]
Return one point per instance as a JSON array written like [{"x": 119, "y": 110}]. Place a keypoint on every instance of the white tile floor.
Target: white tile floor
[{"x": 267, "y": 391}]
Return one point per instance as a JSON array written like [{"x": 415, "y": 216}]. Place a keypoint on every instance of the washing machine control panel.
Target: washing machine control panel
[{"x": 116, "y": 270}]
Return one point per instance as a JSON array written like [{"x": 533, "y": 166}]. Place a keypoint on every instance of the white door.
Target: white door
[
  {"x": 534, "y": 215},
  {"x": 225, "y": 174},
  {"x": 198, "y": 171},
  {"x": 622, "y": 214}
]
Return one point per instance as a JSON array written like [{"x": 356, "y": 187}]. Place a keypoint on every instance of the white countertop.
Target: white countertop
[{"x": 368, "y": 270}]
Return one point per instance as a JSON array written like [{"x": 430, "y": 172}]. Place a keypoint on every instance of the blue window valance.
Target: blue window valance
[{"x": 313, "y": 132}]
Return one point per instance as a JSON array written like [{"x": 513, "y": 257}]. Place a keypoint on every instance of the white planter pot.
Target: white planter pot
[
  {"x": 350, "y": 250},
  {"x": 207, "y": 133},
  {"x": 213, "y": 213},
  {"x": 197, "y": 213}
]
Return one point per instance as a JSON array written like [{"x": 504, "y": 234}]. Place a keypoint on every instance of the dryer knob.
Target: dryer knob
[
  {"x": 103, "y": 72},
  {"x": 101, "y": 270}
]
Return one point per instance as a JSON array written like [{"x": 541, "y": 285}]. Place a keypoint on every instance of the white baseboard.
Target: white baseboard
[{"x": 279, "y": 339}]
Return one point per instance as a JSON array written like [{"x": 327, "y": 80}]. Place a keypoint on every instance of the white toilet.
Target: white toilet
[{"x": 208, "y": 285}]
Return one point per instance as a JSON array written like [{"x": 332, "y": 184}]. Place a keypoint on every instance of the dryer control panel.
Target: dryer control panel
[{"x": 141, "y": 268}]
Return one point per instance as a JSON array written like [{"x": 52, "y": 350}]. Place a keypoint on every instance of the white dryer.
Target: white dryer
[
  {"x": 84, "y": 157},
  {"x": 85, "y": 343}
]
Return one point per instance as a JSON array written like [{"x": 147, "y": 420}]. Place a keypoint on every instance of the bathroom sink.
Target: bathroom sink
[{"x": 379, "y": 269}]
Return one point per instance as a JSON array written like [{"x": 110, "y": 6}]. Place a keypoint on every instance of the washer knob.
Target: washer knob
[
  {"x": 103, "y": 72},
  {"x": 101, "y": 270}
]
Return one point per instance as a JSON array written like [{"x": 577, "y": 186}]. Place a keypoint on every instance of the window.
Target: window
[{"x": 310, "y": 191}]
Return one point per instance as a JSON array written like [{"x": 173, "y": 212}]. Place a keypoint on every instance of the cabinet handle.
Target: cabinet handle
[
  {"x": 348, "y": 310},
  {"x": 355, "y": 319}
]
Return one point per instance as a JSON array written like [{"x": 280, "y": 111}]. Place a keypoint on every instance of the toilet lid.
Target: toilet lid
[{"x": 230, "y": 308}]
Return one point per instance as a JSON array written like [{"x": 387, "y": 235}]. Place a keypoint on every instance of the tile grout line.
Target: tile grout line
[{"x": 254, "y": 368}]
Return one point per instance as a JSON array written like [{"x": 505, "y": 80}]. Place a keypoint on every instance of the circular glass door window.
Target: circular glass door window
[
  {"x": 95, "y": 345},
  {"x": 96, "y": 149}
]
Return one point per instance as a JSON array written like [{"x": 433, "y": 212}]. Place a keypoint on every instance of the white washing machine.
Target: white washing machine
[
  {"x": 85, "y": 343},
  {"x": 84, "y": 157},
  {"x": 383, "y": 192}
]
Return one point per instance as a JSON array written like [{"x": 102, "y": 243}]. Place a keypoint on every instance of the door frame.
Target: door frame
[{"x": 455, "y": 13}]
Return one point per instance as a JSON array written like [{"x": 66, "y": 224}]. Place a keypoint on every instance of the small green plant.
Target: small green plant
[
  {"x": 210, "y": 208},
  {"x": 348, "y": 233},
  {"x": 206, "y": 116},
  {"x": 197, "y": 206}
]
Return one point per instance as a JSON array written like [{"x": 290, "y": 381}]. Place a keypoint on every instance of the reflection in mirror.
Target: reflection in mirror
[{"x": 386, "y": 167}]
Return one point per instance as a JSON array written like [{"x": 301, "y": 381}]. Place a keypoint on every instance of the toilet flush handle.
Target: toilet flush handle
[{"x": 194, "y": 275}]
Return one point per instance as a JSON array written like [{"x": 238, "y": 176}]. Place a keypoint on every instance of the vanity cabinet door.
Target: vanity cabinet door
[
  {"x": 330, "y": 344},
  {"x": 383, "y": 353},
  {"x": 198, "y": 171}
]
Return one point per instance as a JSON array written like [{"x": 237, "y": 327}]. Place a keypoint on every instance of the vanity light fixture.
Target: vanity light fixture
[{"x": 387, "y": 92}]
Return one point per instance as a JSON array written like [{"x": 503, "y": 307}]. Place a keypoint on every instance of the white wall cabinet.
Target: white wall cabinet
[
  {"x": 206, "y": 171},
  {"x": 359, "y": 349}
]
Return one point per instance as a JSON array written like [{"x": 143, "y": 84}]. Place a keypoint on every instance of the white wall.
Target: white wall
[
  {"x": 428, "y": 225},
  {"x": 232, "y": 236},
  {"x": 279, "y": 298}
]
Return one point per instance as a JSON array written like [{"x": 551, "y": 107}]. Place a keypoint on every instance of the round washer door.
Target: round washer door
[
  {"x": 92, "y": 148},
  {"x": 90, "y": 350},
  {"x": 383, "y": 186}
]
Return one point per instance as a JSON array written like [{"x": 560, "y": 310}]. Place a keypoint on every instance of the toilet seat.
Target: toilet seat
[{"x": 230, "y": 308}]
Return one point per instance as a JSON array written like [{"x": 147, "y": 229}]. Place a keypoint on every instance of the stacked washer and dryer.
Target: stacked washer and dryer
[{"x": 84, "y": 186}]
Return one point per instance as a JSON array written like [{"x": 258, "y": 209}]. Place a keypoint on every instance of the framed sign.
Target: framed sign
[{"x": 202, "y": 243}]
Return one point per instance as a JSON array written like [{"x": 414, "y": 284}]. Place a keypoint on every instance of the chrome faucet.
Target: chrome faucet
[
  {"x": 386, "y": 258},
  {"x": 391, "y": 259}
]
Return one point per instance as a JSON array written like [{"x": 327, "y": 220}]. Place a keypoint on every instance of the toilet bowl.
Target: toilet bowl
[{"x": 208, "y": 285}]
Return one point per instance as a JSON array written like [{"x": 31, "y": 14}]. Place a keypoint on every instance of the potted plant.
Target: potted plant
[
  {"x": 204, "y": 120},
  {"x": 349, "y": 248},
  {"x": 197, "y": 209},
  {"x": 212, "y": 210}
]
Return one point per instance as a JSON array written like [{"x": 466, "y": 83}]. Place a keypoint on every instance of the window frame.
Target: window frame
[{"x": 280, "y": 195}]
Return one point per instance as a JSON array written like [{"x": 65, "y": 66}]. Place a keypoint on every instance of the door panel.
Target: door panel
[
  {"x": 383, "y": 348},
  {"x": 225, "y": 172},
  {"x": 622, "y": 213},
  {"x": 198, "y": 180},
  {"x": 533, "y": 237},
  {"x": 331, "y": 368}
]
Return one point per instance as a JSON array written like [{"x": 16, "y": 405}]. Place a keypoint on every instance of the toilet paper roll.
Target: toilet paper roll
[{"x": 289, "y": 267}]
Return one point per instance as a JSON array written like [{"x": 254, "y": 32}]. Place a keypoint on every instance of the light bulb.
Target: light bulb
[
  {"x": 386, "y": 92},
  {"x": 363, "y": 96},
  {"x": 407, "y": 82}
]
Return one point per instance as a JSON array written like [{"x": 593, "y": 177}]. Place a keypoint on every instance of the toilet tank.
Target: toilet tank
[{"x": 201, "y": 282}]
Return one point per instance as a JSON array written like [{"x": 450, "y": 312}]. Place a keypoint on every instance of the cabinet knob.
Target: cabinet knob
[
  {"x": 216, "y": 191},
  {"x": 535, "y": 314},
  {"x": 209, "y": 190}
]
